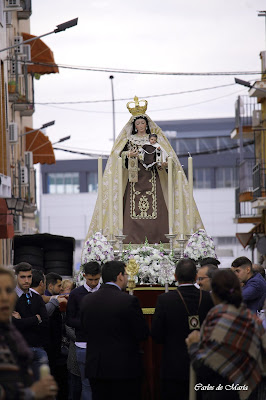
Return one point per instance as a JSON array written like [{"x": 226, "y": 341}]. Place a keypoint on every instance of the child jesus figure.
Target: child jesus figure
[{"x": 152, "y": 153}]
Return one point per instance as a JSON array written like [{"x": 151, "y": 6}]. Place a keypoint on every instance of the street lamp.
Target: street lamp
[
  {"x": 248, "y": 84},
  {"x": 20, "y": 205},
  {"x": 59, "y": 141},
  {"x": 62, "y": 140},
  {"x": 243, "y": 83},
  {"x": 15, "y": 205},
  {"x": 42, "y": 127},
  {"x": 59, "y": 28},
  {"x": 11, "y": 203}
]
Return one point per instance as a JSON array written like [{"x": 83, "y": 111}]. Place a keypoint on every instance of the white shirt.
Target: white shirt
[{"x": 20, "y": 291}]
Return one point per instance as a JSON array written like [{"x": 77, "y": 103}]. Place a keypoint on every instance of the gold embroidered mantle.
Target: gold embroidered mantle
[{"x": 118, "y": 147}]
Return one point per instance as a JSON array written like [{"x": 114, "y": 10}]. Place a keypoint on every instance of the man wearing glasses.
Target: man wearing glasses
[
  {"x": 30, "y": 316},
  {"x": 204, "y": 276}
]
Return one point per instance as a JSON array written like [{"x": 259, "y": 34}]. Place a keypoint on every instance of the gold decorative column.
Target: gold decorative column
[{"x": 132, "y": 269}]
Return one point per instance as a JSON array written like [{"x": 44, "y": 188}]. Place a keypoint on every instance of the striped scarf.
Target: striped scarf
[{"x": 231, "y": 344}]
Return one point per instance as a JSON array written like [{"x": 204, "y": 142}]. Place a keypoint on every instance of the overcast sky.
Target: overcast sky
[{"x": 148, "y": 35}]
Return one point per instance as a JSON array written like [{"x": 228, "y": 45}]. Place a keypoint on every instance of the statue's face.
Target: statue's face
[{"x": 140, "y": 125}]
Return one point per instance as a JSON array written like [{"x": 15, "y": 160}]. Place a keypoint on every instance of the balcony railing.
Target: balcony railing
[
  {"x": 259, "y": 180},
  {"x": 243, "y": 209},
  {"x": 252, "y": 185},
  {"x": 21, "y": 92},
  {"x": 247, "y": 106},
  {"x": 26, "y": 12},
  {"x": 245, "y": 175}
]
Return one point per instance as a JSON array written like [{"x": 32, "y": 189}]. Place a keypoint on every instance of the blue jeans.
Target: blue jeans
[
  {"x": 86, "y": 387},
  {"x": 39, "y": 358},
  {"x": 74, "y": 386}
]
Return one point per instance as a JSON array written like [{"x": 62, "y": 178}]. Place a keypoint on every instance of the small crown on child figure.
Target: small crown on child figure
[{"x": 138, "y": 109}]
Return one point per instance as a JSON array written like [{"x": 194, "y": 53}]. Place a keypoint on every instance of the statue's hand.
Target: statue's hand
[{"x": 133, "y": 153}]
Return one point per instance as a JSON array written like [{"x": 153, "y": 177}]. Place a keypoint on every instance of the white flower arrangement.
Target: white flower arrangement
[
  {"x": 200, "y": 246},
  {"x": 155, "y": 267},
  {"x": 96, "y": 248}
]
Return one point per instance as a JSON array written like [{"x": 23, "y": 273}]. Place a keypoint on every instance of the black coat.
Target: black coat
[
  {"x": 34, "y": 333},
  {"x": 73, "y": 311},
  {"x": 114, "y": 326},
  {"x": 170, "y": 327}
]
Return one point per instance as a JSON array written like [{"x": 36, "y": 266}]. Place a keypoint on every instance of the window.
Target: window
[
  {"x": 202, "y": 178},
  {"x": 225, "y": 177},
  {"x": 226, "y": 240},
  {"x": 63, "y": 183},
  {"x": 92, "y": 181},
  {"x": 185, "y": 146}
]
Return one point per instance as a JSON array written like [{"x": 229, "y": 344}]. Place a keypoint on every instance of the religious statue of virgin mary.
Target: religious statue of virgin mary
[{"x": 145, "y": 209}]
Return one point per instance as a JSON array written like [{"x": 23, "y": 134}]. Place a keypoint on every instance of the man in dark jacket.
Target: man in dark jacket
[
  {"x": 254, "y": 289},
  {"x": 92, "y": 275},
  {"x": 177, "y": 313},
  {"x": 114, "y": 326},
  {"x": 30, "y": 316},
  {"x": 53, "y": 286}
]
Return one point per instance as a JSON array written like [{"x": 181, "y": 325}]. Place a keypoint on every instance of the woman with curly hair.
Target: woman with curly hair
[{"x": 227, "y": 352}]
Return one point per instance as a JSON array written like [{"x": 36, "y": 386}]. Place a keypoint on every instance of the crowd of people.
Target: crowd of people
[{"x": 58, "y": 341}]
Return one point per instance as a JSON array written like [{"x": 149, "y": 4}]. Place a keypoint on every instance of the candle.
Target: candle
[
  {"x": 44, "y": 371},
  {"x": 181, "y": 207},
  {"x": 170, "y": 194},
  {"x": 100, "y": 193},
  {"x": 110, "y": 202},
  {"x": 190, "y": 185},
  {"x": 120, "y": 196}
]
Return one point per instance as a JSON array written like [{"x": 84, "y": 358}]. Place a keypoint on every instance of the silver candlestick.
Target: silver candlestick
[
  {"x": 171, "y": 237},
  {"x": 112, "y": 240},
  {"x": 182, "y": 242},
  {"x": 120, "y": 239}
]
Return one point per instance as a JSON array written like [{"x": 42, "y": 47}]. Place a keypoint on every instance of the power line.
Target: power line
[
  {"x": 213, "y": 151},
  {"x": 130, "y": 98},
  {"x": 142, "y": 72},
  {"x": 82, "y": 153},
  {"x": 156, "y": 110}
]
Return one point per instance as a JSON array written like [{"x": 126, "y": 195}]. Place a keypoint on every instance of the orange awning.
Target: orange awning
[
  {"x": 40, "y": 53},
  {"x": 41, "y": 147},
  {"x": 245, "y": 238},
  {"x": 6, "y": 221}
]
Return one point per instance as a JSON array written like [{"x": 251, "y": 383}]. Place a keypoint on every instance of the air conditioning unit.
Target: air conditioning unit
[
  {"x": 8, "y": 18},
  {"x": 29, "y": 158},
  {"x": 26, "y": 52},
  {"x": 16, "y": 67},
  {"x": 256, "y": 118},
  {"x": 24, "y": 175},
  {"x": 12, "y": 3},
  {"x": 13, "y": 132},
  {"x": 18, "y": 226},
  {"x": 17, "y": 41}
]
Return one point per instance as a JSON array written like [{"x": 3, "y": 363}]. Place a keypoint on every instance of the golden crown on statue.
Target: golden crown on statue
[{"x": 138, "y": 109}]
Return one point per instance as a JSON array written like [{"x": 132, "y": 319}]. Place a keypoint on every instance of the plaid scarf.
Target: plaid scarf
[{"x": 231, "y": 344}]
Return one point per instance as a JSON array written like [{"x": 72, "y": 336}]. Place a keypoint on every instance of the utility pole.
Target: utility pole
[{"x": 113, "y": 104}]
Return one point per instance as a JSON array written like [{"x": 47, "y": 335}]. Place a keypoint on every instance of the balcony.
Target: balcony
[
  {"x": 258, "y": 90},
  {"x": 26, "y": 109},
  {"x": 26, "y": 12},
  {"x": 20, "y": 93},
  {"x": 244, "y": 111},
  {"x": 250, "y": 196},
  {"x": 259, "y": 186}
]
